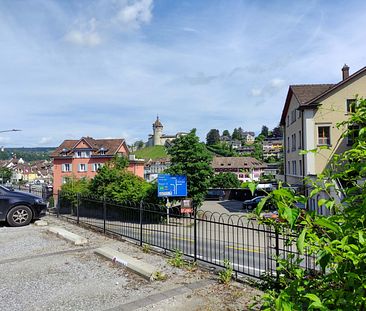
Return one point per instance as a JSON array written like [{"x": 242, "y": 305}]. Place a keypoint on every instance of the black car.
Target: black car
[
  {"x": 20, "y": 208},
  {"x": 252, "y": 204}
]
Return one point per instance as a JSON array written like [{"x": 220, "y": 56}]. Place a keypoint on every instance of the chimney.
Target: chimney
[{"x": 345, "y": 72}]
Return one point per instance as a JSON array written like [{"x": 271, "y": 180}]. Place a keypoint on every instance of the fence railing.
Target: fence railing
[
  {"x": 40, "y": 190},
  {"x": 250, "y": 247}
]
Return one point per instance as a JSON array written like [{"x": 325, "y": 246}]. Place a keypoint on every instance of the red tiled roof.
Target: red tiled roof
[{"x": 111, "y": 146}]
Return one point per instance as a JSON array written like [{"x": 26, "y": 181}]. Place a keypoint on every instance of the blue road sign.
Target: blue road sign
[{"x": 172, "y": 185}]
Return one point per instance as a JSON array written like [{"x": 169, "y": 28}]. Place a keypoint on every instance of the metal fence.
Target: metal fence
[
  {"x": 213, "y": 238},
  {"x": 42, "y": 191}
]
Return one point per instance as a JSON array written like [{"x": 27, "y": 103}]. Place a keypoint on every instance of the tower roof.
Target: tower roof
[{"x": 157, "y": 123}]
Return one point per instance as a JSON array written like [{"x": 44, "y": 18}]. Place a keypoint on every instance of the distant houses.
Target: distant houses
[
  {"x": 83, "y": 157},
  {"x": 245, "y": 168}
]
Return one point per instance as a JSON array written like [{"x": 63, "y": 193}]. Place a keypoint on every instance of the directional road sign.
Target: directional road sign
[{"x": 172, "y": 185}]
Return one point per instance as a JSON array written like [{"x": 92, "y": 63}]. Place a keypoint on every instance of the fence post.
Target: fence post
[
  {"x": 277, "y": 246},
  {"x": 195, "y": 231},
  {"x": 30, "y": 188},
  {"x": 141, "y": 211},
  {"x": 58, "y": 203},
  {"x": 77, "y": 207},
  {"x": 104, "y": 212}
]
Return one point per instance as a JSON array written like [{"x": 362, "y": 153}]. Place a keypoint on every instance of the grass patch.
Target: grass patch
[{"x": 154, "y": 152}]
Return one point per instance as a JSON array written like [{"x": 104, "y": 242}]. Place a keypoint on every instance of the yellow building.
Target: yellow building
[{"x": 309, "y": 120}]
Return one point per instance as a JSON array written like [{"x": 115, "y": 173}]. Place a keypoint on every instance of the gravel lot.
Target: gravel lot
[{"x": 40, "y": 271}]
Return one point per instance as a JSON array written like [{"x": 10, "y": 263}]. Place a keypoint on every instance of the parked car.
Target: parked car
[
  {"x": 215, "y": 194},
  {"x": 252, "y": 204},
  {"x": 20, "y": 208}
]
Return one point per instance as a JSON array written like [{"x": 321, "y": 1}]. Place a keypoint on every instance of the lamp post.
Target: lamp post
[{"x": 13, "y": 130}]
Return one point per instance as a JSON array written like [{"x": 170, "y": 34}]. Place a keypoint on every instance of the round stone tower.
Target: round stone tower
[{"x": 157, "y": 132}]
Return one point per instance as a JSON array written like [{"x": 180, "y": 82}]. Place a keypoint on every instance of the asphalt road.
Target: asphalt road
[{"x": 245, "y": 243}]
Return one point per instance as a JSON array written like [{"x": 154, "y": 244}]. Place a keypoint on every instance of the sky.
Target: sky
[{"x": 107, "y": 68}]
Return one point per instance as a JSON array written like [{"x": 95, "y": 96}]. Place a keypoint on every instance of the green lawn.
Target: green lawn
[{"x": 154, "y": 152}]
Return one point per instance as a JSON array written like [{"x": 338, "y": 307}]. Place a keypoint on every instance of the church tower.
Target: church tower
[{"x": 157, "y": 132}]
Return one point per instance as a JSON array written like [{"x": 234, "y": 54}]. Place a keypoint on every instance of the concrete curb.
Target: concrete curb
[
  {"x": 143, "y": 269},
  {"x": 69, "y": 236}
]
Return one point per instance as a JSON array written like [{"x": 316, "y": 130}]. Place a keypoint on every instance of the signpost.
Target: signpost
[{"x": 171, "y": 186}]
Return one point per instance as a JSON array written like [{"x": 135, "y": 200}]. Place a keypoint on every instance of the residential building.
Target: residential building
[
  {"x": 246, "y": 168},
  {"x": 309, "y": 120},
  {"x": 272, "y": 148},
  {"x": 82, "y": 158},
  {"x": 249, "y": 137},
  {"x": 155, "y": 167},
  {"x": 158, "y": 138}
]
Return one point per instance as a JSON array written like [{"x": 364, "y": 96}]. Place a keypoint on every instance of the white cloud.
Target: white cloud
[
  {"x": 83, "y": 38},
  {"x": 135, "y": 14},
  {"x": 85, "y": 35},
  {"x": 256, "y": 92},
  {"x": 277, "y": 83}
]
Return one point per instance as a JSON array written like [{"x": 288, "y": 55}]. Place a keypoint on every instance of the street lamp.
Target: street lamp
[{"x": 13, "y": 130}]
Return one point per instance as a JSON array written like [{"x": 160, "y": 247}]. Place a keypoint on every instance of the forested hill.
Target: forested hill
[{"x": 27, "y": 154}]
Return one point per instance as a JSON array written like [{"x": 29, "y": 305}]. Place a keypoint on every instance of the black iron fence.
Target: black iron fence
[
  {"x": 43, "y": 191},
  {"x": 213, "y": 238}
]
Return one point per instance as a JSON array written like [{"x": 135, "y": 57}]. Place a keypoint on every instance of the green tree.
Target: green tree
[
  {"x": 226, "y": 133},
  {"x": 236, "y": 134},
  {"x": 338, "y": 241},
  {"x": 5, "y": 174},
  {"x": 213, "y": 137},
  {"x": 277, "y": 132},
  {"x": 190, "y": 157},
  {"x": 116, "y": 183},
  {"x": 225, "y": 180},
  {"x": 264, "y": 131}
]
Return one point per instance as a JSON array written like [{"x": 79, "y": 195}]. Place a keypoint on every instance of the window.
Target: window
[
  {"x": 288, "y": 167},
  {"x": 294, "y": 171},
  {"x": 293, "y": 116},
  {"x": 324, "y": 135},
  {"x": 83, "y": 167},
  {"x": 352, "y": 134},
  {"x": 300, "y": 138},
  {"x": 293, "y": 138},
  {"x": 82, "y": 154},
  {"x": 300, "y": 167},
  {"x": 67, "y": 167},
  {"x": 288, "y": 144},
  {"x": 351, "y": 105},
  {"x": 96, "y": 166}
]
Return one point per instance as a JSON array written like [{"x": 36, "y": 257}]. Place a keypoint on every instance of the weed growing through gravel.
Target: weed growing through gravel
[
  {"x": 226, "y": 274},
  {"x": 146, "y": 248},
  {"x": 177, "y": 261},
  {"x": 159, "y": 276}
]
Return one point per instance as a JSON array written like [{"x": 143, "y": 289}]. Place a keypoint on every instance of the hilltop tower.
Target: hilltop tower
[{"x": 157, "y": 132}]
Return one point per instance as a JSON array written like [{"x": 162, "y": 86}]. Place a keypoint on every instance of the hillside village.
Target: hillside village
[{"x": 272, "y": 153}]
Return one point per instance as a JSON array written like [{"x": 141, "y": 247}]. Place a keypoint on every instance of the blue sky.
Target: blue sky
[{"x": 106, "y": 68}]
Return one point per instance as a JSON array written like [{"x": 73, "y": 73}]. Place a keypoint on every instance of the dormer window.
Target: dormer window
[
  {"x": 82, "y": 154},
  {"x": 103, "y": 151}
]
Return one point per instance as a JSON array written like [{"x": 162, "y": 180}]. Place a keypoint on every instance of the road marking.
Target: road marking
[
  {"x": 252, "y": 250},
  {"x": 240, "y": 266},
  {"x": 183, "y": 239}
]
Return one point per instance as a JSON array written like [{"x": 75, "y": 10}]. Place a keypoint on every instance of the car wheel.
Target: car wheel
[{"x": 19, "y": 216}]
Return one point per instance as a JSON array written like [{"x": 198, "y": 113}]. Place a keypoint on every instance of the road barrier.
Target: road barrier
[{"x": 250, "y": 246}]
